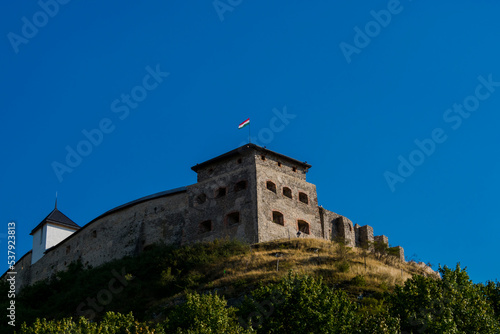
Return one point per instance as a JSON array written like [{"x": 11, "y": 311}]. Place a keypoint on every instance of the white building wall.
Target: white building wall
[
  {"x": 38, "y": 244},
  {"x": 50, "y": 236},
  {"x": 56, "y": 234}
]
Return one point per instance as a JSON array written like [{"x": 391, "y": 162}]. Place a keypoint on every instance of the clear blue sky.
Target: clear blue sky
[{"x": 361, "y": 92}]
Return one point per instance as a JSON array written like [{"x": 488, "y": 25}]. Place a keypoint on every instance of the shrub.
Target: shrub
[
  {"x": 203, "y": 314},
  {"x": 343, "y": 267}
]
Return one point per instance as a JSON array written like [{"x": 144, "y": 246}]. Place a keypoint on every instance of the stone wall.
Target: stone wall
[
  {"x": 294, "y": 210},
  {"x": 364, "y": 236},
  {"x": 113, "y": 236},
  {"x": 251, "y": 194},
  {"x": 211, "y": 215}
]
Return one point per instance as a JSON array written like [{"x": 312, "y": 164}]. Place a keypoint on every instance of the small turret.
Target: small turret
[{"x": 52, "y": 230}]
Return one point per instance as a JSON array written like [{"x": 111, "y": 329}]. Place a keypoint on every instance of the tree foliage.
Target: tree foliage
[
  {"x": 451, "y": 305},
  {"x": 203, "y": 314},
  {"x": 307, "y": 305}
]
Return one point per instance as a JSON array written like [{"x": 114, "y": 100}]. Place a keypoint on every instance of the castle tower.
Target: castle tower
[
  {"x": 52, "y": 230},
  {"x": 252, "y": 194}
]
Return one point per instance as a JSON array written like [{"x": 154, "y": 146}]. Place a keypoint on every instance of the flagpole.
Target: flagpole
[{"x": 249, "y": 138}]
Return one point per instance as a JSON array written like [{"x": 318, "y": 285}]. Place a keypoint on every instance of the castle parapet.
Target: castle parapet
[
  {"x": 364, "y": 236},
  {"x": 399, "y": 252}
]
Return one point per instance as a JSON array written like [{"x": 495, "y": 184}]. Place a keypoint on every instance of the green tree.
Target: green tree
[
  {"x": 492, "y": 292},
  {"x": 112, "y": 323},
  {"x": 451, "y": 305},
  {"x": 203, "y": 314},
  {"x": 299, "y": 305}
]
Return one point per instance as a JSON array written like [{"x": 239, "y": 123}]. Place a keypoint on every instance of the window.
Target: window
[
  {"x": 287, "y": 192},
  {"x": 221, "y": 192},
  {"x": 201, "y": 198},
  {"x": 278, "y": 218},
  {"x": 233, "y": 218},
  {"x": 68, "y": 249},
  {"x": 239, "y": 161},
  {"x": 294, "y": 169},
  {"x": 205, "y": 227},
  {"x": 303, "y": 198},
  {"x": 242, "y": 185},
  {"x": 94, "y": 234},
  {"x": 271, "y": 186},
  {"x": 263, "y": 157},
  {"x": 303, "y": 226},
  {"x": 279, "y": 164}
]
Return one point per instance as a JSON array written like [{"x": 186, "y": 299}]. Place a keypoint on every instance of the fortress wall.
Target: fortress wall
[
  {"x": 399, "y": 251},
  {"x": 292, "y": 209},
  {"x": 113, "y": 236},
  {"x": 381, "y": 239},
  {"x": 216, "y": 209},
  {"x": 338, "y": 228},
  {"x": 23, "y": 270},
  {"x": 224, "y": 166},
  {"x": 271, "y": 161},
  {"x": 364, "y": 236}
]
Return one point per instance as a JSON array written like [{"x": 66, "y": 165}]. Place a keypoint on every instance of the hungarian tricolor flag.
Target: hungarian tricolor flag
[{"x": 245, "y": 123}]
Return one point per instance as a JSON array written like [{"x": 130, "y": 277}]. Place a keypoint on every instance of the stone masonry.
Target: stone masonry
[{"x": 251, "y": 194}]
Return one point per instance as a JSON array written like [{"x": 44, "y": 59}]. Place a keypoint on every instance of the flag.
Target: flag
[{"x": 245, "y": 123}]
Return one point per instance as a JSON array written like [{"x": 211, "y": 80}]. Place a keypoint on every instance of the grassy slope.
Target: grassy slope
[{"x": 159, "y": 277}]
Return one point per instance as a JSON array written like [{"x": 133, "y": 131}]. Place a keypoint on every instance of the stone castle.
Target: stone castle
[{"x": 250, "y": 193}]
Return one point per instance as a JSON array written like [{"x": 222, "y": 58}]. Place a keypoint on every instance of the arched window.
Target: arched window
[
  {"x": 271, "y": 186},
  {"x": 303, "y": 226},
  {"x": 242, "y": 185},
  {"x": 205, "y": 227},
  {"x": 278, "y": 218},
  {"x": 233, "y": 218},
  {"x": 287, "y": 192},
  {"x": 303, "y": 198}
]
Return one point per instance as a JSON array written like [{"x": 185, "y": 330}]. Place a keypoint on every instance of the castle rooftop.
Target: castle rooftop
[
  {"x": 58, "y": 218},
  {"x": 245, "y": 148}
]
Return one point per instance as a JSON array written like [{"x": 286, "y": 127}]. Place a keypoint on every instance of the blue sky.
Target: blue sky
[{"x": 394, "y": 104}]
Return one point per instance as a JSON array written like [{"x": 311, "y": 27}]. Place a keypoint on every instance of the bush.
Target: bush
[
  {"x": 452, "y": 304},
  {"x": 203, "y": 314},
  {"x": 343, "y": 267},
  {"x": 112, "y": 323},
  {"x": 358, "y": 280},
  {"x": 299, "y": 305}
]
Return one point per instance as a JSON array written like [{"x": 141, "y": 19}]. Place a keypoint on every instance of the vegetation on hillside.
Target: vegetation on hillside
[{"x": 319, "y": 287}]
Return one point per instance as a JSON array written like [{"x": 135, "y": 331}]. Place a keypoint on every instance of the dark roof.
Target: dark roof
[
  {"x": 143, "y": 199},
  {"x": 123, "y": 206},
  {"x": 57, "y": 217},
  {"x": 244, "y": 148}
]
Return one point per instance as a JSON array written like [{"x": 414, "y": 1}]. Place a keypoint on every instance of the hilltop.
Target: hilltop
[{"x": 159, "y": 278}]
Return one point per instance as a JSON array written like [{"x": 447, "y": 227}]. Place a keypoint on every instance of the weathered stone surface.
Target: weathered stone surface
[{"x": 250, "y": 193}]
